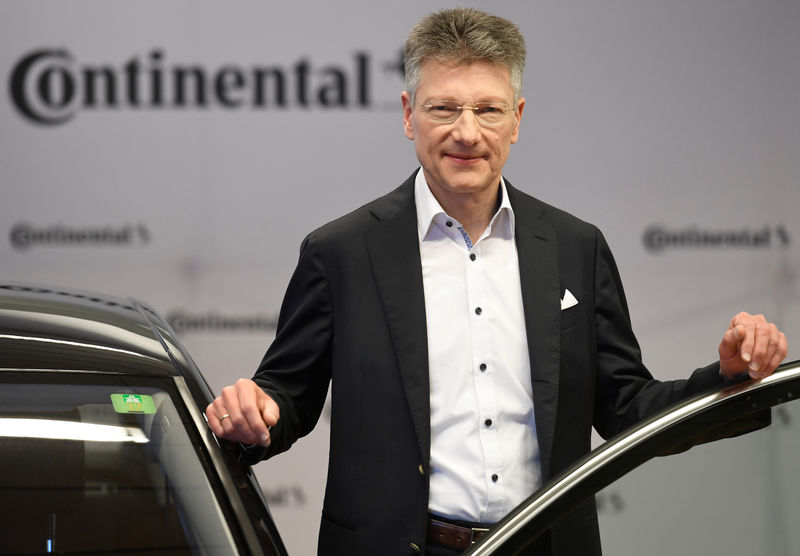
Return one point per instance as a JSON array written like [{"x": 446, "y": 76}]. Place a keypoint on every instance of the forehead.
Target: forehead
[{"x": 465, "y": 82}]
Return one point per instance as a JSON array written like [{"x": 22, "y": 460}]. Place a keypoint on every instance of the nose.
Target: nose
[{"x": 466, "y": 128}]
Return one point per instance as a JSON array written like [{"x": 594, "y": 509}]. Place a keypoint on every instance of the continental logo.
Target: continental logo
[
  {"x": 25, "y": 236},
  {"x": 658, "y": 238},
  {"x": 183, "y": 322},
  {"x": 50, "y": 86},
  {"x": 285, "y": 496}
]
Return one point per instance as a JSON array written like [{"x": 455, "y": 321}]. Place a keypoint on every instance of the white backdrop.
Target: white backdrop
[{"x": 674, "y": 126}]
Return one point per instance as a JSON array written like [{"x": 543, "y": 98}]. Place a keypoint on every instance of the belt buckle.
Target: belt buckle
[{"x": 482, "y": 531}]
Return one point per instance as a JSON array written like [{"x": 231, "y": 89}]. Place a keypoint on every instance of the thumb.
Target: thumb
[
  {"x": 729, "y": 346},
  {"x": 270, "y": 412}
]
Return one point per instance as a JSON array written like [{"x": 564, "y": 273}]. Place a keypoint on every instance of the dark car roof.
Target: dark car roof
[{"x": 43, "y": 328}]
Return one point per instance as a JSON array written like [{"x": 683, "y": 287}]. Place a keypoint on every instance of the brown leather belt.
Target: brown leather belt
[{"x": 453, "y": 536}]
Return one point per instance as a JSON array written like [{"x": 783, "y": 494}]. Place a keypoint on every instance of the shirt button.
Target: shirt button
[
  {"x": 494, "y": 478},
  {"x": 482, "y": 367},
  {"x": 478, "y": 310},
  {"x": 448, "y": 224},
  {"x": 488, "y": 422},
  {"x": 472, "y": 256},
  {"x": 421, "y": 470},
  {"x": 414, "y": 548}
]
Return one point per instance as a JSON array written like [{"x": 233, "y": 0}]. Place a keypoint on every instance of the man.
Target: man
[{"x": 472, "y": 335}]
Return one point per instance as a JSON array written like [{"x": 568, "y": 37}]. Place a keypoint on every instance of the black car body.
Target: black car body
[{"x": 105, "y": 447}]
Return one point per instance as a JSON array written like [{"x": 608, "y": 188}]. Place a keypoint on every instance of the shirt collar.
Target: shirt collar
[{"x": 428, "y": 209}]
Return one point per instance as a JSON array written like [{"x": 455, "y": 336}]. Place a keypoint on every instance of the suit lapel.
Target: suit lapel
[
  {"x": 538, "y": 269},
  {"x": 393, "y": 249}
]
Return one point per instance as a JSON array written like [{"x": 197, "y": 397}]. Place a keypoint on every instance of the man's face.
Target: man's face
[{"x": 463, "y": 157}]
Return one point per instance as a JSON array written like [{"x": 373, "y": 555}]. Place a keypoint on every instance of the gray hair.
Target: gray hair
[{"x": 462, "y": 36}]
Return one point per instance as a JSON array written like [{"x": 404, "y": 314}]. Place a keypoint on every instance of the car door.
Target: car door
[{"x": 710, "y": 476}]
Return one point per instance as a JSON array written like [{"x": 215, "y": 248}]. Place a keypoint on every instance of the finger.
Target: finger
[
  {"x": 213, "y": 421},
  {"x": 762, "y": 335},
  {"x": 224, "y": 422},
  {"x": 243, "y": 412},
  {"x": 271, "y": 412},
  {"x": 260, "y": 411},
  {"x": 729, "y": 346},
  {"x": 745, "y": 329},
  {"x": 766, "y": 336},
  {"x": 217, "y": 416},
  {"x": 731, "y": 364},
  {"x": 777, "y": 351},
  {"x": 237, "y": 399},
  {"x": 253, "y": 400}
]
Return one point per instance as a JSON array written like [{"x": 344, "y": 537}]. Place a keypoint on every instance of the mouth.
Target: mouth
[{"x": 463, "y": 158}]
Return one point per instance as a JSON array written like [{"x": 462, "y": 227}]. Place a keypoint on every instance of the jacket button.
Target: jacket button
[
  {"x": 421, "y": 470},
  {"x": 415, "y": 549}
]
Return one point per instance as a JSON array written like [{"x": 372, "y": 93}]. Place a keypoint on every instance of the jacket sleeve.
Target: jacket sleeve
[
  {"x": 296, "y": 369},
  {"x": 626, "y": 392}
]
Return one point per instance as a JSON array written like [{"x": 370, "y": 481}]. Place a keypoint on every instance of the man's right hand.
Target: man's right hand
[{"x": 243, "y": 413}]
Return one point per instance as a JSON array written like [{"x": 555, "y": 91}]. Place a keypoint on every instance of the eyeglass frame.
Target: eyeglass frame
[{"x": 461, "y": 107}]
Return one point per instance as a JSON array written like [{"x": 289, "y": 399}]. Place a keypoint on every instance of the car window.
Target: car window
[
  {"x": 102, "y": 468},
  {"x": 733, "y": 492},
  {"x": 736, "y": 496}
]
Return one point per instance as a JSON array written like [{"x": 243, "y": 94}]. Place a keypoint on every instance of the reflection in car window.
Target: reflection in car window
[
  {"x": 101, "y": 468},
  {"x": 737, "y": 496}
]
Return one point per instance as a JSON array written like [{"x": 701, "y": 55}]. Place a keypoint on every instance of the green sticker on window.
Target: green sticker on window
[{"x": 133, "y": 403}]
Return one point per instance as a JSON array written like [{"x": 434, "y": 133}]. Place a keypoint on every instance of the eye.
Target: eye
[
  {"x": 489, "y": 109},
  {"x": 442, "y": 108}
]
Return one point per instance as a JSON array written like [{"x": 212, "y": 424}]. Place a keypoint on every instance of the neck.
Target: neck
[{"x": 474, "y": 211}]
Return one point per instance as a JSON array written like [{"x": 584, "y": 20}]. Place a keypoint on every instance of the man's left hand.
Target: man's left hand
[{"x": 751, "y": 345}]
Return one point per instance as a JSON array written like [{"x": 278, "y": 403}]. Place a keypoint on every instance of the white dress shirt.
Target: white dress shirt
[{"x": 484, "y": 450}]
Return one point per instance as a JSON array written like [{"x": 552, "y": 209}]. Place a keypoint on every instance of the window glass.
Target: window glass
[
  {"x": 736, "y": 496},
  {"x": 102, "y": 468}
]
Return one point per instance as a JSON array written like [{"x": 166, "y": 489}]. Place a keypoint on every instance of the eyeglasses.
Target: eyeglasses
[{"x": 448, "y": 111}]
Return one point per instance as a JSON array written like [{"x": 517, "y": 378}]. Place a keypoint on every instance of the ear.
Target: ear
[
  {"x": 405, "y": 97},
  {"x": 518, "y": 119}
]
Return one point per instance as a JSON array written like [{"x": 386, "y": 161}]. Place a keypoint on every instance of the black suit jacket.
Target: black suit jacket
[{"x": 354, "y": 316}]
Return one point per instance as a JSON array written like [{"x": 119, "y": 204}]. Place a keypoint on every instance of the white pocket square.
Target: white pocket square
[{"x": 568, "y": 300}]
